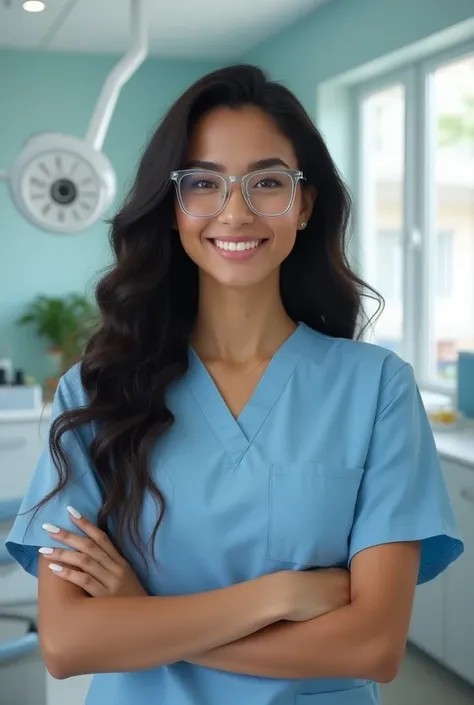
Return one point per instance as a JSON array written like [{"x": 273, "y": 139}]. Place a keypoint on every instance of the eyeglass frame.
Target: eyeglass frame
[{"x": 295, "y": 174}]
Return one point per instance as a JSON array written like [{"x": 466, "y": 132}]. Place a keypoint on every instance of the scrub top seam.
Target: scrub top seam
[
  {"x": 212, "y": 430},
  {"x": 406, "y": 364}
]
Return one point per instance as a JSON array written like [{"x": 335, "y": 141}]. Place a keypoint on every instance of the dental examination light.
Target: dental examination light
[{"x": 63, "y": 183}]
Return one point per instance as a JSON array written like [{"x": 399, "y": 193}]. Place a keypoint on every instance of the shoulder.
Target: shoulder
[
  {"x": 359, "y": 364},
  {"x": 70, "y": 393},
  {"x": 71, "y": 396},
  {"x": 353, "y": 354}
]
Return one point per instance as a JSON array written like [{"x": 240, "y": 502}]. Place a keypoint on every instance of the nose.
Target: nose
[{"x": 236, "y": 211}]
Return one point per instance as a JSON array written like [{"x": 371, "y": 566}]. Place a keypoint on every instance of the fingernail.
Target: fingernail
[
  {"x": 74, "y": 512},
  {"x": 55, "y": 568},
  {"x": 50, "y": 528},
  {"x": 46, "y": 549}
]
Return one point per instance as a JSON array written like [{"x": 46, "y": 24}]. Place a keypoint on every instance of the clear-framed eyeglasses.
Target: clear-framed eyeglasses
[{"x": 203, "y": 194}]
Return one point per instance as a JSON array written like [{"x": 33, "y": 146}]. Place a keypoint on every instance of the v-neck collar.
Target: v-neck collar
[{"x": 236, "y": 435}]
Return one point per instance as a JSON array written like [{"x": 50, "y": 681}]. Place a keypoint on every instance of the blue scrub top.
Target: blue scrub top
[{"x": 332, "y": 454}]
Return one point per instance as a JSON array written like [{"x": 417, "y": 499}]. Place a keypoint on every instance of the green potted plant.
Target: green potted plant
[{"x": 65, "y": 323}]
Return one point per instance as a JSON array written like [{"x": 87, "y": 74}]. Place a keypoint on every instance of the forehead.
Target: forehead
[{"x": 237, "y": 137}]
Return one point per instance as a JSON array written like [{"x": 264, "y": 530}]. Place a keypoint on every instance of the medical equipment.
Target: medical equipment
[{"x": 62, "y": 183}]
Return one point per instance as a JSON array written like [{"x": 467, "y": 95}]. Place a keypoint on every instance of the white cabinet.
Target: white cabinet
[
  {"x": 442, "y": 622},
  {"x": 21, "y": 443},
  {"x": 427, "y": 622},
  {"x": 459, "y": 594},
  {"x": 22, "y": 439}
]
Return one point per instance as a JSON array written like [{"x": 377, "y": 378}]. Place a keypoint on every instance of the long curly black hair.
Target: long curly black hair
[{"x": 148, "y": 299}]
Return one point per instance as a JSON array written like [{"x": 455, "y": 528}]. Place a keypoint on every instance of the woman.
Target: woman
[{"x": 226, "y": 431}]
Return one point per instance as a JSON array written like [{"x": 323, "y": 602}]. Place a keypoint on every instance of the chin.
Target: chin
[{"x": 238, "y": 280}]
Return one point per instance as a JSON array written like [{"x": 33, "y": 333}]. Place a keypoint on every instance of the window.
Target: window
[
  {"x": 444, "y": 265},
  {"x": 388, "y": 274},
  {"x": 383, "y": 140},
  {"x": 415, "y": 203}
]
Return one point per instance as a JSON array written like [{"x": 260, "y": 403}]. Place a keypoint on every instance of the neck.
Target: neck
[{"x": 240, "y": 324}]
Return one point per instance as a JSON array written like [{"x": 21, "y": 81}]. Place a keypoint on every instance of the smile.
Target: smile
[
  {"x": 237, "y": 246},
  {"x": 238, "y": 249}
]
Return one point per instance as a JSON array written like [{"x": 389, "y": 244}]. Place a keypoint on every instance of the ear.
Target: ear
[{"x": 308, "y": 199}]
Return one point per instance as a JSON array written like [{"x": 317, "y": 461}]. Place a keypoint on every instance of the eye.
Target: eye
[
  {"x": 203, "y": 184},
  {"x": 268, "y": 182}
]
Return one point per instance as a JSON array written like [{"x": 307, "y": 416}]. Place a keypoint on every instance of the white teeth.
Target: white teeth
[{"x": 236, "y": 246}]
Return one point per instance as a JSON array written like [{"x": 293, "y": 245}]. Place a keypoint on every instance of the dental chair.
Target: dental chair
[{"x": 22, "y": 674}]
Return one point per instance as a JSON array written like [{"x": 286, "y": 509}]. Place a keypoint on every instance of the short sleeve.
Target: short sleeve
[
  {"x": 403, "y": 495},
  {"x": 81, "y": 491}
]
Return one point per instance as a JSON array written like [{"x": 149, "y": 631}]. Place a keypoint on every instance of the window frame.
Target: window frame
[{"x": 418, "y": 301}]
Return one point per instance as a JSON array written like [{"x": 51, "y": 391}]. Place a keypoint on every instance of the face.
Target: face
[{"x": 236, "y": 142}]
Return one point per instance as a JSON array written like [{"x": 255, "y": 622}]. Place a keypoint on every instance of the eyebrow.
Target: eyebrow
[{"x": 253, "y": 166}]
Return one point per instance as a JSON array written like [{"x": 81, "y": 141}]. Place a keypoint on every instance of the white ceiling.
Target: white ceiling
[{"x": 192, "y": 29}]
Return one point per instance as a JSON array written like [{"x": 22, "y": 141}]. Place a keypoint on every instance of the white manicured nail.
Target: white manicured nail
[
  {"x": 46, "y": 549},
  {"x": 55, "y": 568},
  {"x": 74, "y": 512},
  {"x": 50, "y": 528}
]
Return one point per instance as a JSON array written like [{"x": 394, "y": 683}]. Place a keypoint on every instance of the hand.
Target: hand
[
  {"x": 96, "y": 565},
  {"x": 312, "y": 593}
]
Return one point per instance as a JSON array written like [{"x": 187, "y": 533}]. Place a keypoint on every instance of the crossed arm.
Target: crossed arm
[{"x": 365, "y": 639}]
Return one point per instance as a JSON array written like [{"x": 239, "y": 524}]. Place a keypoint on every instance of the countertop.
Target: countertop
[
  {"x": 42, "y": 413},
  {"x": 455, "y": 444}
]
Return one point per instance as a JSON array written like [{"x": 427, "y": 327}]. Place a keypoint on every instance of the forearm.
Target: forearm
[
  {"x": 129, "y": 634},
  {"x": 336, "y": 645}
]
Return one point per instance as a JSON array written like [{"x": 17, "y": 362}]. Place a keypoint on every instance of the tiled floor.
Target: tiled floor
[{"x": 422, "y": 682}]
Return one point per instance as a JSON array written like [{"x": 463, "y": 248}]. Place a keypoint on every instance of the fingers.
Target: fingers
[
  {"x": 79, "y": 560},
  {"x": 82, "y": 580},
  {"x": 97, "y": 545},
  {"x": 84, "y": 545},
  {"x": 97, "y": 535}
]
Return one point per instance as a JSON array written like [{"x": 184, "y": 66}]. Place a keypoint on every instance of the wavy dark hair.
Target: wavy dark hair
[{"x": 148, "y": 299}]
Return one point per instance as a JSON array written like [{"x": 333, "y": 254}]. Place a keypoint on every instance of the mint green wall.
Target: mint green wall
[
  {"x": 345, "y": 34},
  {"x": 57, "y": 92}
]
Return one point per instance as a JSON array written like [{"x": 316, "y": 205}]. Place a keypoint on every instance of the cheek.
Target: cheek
[
  {"x": 190, "y": 230},
  {"x": 285, "y": 231}
]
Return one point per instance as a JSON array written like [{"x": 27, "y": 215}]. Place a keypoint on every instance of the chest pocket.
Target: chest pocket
[{"x": 312, "y": 508}]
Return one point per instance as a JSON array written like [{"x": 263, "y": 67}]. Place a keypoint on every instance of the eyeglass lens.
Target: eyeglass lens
[{"x": 203, "y": 193}]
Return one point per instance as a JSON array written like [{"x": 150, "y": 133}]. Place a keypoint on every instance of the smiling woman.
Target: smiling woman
[
  {"x": 252, "y": 218},
  {"x": 239, "y": 497}
]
